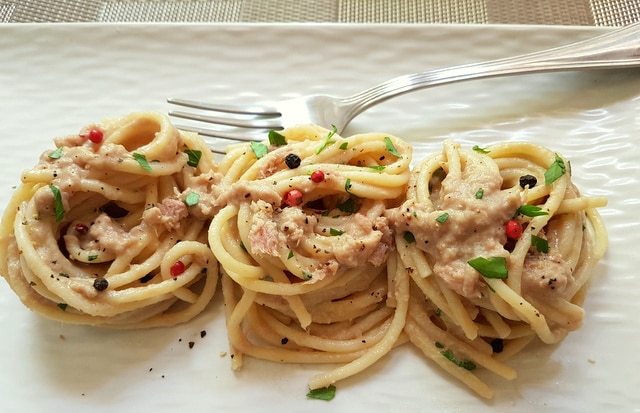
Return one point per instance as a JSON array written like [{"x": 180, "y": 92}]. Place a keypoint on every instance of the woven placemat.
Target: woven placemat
[{"x": 556, "y": 12}]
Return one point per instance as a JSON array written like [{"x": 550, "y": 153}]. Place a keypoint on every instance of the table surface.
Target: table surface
[{"x": 552, "y": 12}]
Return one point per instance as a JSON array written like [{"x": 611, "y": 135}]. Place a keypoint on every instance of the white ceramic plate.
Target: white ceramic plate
[{"x": 55, "y": 79}]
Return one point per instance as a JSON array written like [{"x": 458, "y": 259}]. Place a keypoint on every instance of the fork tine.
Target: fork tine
[
  {"x": 227, "y": 135},
  {"x": 250, "y": 122},
  {"x": 238, "y": 109}
]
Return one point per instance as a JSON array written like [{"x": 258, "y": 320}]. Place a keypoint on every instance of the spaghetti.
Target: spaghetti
[
  {"x": 99, "y": 231},
  {"x": 330, "y": 249},
  {"x": 480, "y": 293},
  {"x": 306, "y": 277}
]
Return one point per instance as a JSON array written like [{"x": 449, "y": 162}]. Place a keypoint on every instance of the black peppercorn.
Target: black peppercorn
[
  {"x": 292, "y": 160},
  {"x": 100, "y": 284},
  {"x": 528, "y": 180}
]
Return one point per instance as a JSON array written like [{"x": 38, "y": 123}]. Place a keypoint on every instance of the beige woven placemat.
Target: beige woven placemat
[{"x": 557, "y": 12}]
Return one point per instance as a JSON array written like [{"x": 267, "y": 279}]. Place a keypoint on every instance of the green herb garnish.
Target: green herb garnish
[
  {"x": 347, "y": 187},
  {"x": 335, "y": 232},
  {"x": 290, "y": 255},
  {"x": 277, "y": 139},
  {"x": 142, "y": 161},
  {"x": 531, "y": 211},
  {"x": 540, "y": 244},
  {"x": 348, "y": 206},
  {"x": 259, "y": 149},
  {"x": 194, "y": 157},
  {"x": 492, "y": 267},
  {"x": 327, "y": 141},
  {"x": 344, "y": 145},
  {"x": 391, "y": 147},
  {"x": 56, "y": 154},
  {"x": 480, "y": 150},
  {"x": 324, "y": 393},
  {"x": 92, "y": 257},
  {"x": 192, "y": 199},
  {"x": 555, "y": 171},
  {"x": 479, "y": 193},
  {"x": 443, "y": 218},
  {"x": 465, "y": 364},
  {"x": 409, "y": 237},
  {"x": 58, "y": 208}
]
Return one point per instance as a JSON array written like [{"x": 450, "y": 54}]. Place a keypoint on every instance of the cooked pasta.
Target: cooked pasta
[
  {"x": 100, "y": 233},
  {"x": 500, "y": 246},
  {"x": 303, "y": 245},
  {"x": 330, "y": 249}
]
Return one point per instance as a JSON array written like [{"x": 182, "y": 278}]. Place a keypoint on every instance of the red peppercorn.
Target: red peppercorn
[
  {"x": 317, "y": 176},
  {"x": 513, "y": 229},
  {"x": 292, "y": 197},
  {"x": 96, "y": 135},
  {"x": 177, "y": 268}
]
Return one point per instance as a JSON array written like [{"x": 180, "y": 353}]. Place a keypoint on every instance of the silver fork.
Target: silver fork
[{"x": 616, "y": 49}]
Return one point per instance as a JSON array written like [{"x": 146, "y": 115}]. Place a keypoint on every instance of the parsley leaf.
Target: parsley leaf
[
  {"x": 480, "y": 150},
  {"x": 409, "y": 237},
  {"x": 194, "y": 157},
  {"x": 378, "y": 168},
  {"x": 531, "y": 211},
  {"x": 142, "y": 161},
  {"x": 443, "y": 218},
  {"x": 479, "y": 193},
  {"x": 347, "y": 187},
  {"x": 464, "y": 363},
  {"x": 277, "y": 139},
  {"x": 56, "y": 154},
  {"x": 192, "y": 199},
  {"x": 335, "y": 232},
  {"x": 555, "y": 171},
  {"x": 58, "y": 208},
  {"x": 324, "y": 393},
  {"x": 328, "y": 141},
  {"x": 390, "y": 147},
  {"x": 259, "y": 149},
  {"x": 540, "y": 244},
  {"x": 348, "y": 206},
  {"x": 344, "y": 145},
  {"x": 492, "y": 267}
]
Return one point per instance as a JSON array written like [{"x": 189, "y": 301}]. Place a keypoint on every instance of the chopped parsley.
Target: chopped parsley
[
  {"x": 58, "y": 208},
  {"x": 92, "y": 257},
  {"x": 378, "y": 168},
  {"x": 443, "y": 218},
  {"x": 324, "y": 393},
  {"x": 492, "y": 267},
  {"x": 344, "y": 145},
  {"x": 328, "y": 141},
  {"x": 192, "y": 199},
  {"x": 290, "y": 255},
  {"x": 347, "y": 187},
  {"x": 348, "y": 206},
  {"x": 555, "y": 171},
  {"x": 480, "y": 150},
  {"x": 464, "y": 363},
  {"x": 479, "y": 193},
  {"x": 540, "y": 244},
  {"x": 391, "y": 147},
  {"x": 409, "y": 237},
  {"x": 259, "y": 149},
  {"x": 56, "y": 154},
  {"x": 194, "y": 157},
  {"x": 531, "y": 211},
  {"x": 335, "y": 232},
  {"x": 277, "y": 139},
  {"x": 142, "y": 161}
]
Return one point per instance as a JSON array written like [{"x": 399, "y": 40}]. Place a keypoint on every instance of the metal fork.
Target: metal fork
[{"x": 616, "y": 49}]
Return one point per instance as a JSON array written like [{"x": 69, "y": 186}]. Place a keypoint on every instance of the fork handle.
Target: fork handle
[{"x": 616, "y": 49}]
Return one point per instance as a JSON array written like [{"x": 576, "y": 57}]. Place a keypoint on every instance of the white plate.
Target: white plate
[{"x": 55, "y": 79}]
